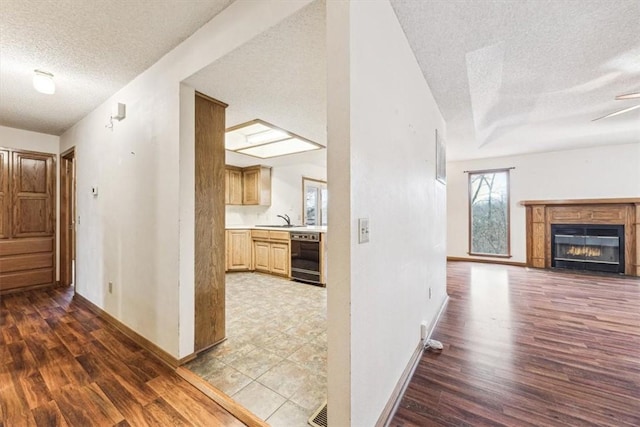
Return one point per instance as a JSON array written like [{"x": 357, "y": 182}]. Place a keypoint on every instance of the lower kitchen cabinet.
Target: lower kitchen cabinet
[
  {"x": 271, "y": 253},
  {"x": 279, "y": 258},
  {"x": 238, "y": 250},
  {"x": 259, "y": 250},
  {"x": 261, "y": 255}
]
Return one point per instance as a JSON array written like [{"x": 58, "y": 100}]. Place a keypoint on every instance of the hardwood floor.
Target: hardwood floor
[
  {"x": 62, "y": 366},
  {"x": 530, "y": 347}
]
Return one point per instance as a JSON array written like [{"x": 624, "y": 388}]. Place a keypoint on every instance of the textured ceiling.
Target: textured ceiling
[
  {"x": 527, "y": 76},
  {"x": 279, "y": 77},
  {"x": 509, "y": 76},
  {"x": 92, "y": 47}
]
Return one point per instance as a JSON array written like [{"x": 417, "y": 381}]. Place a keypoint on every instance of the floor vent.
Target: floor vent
[{"x": 319, "y": 418}]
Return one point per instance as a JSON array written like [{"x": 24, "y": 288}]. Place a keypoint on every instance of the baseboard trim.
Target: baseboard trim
[
  {"x": 27, "y": 288},
  {"x": 396, "y": 396},
  {"x": 234, "y": 408},
  {"x": 159, "y": 353},
  {"x": 486, "y": 261}
]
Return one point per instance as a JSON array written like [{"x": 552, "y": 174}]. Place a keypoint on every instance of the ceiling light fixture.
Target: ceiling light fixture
[
  {"x": 629, "y": 96},
  {"x": 260, "y": 139},
  {"x": 43, "y": 82},
  {"x": 622, "y": 97}
]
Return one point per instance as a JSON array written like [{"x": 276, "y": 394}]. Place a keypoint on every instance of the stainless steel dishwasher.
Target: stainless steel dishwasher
[{"x": 305, "y": 257}]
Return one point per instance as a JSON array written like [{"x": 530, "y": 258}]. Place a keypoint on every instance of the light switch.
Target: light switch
[
  {"x": 363, "y": 230},
  {"x": 94, "y": 191}
]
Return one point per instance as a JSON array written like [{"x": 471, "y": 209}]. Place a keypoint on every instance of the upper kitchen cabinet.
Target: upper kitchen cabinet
[
  {"x": 233, "y": 186},
  {"x": 256, "y": 185}
]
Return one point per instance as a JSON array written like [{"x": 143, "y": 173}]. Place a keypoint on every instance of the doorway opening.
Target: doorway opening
[{"x": 67, "y": 218}]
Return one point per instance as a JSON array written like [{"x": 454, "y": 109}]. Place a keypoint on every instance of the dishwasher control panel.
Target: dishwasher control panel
[{"x": 309, "y": 237}]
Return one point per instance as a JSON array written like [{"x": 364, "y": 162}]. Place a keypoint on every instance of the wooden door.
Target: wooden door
[
  {"x": 5, "y": 210},
  {"x": 261, "y": 252},
  {"x": 280, "y": 259},
  {"x": 67, "y": 217},
  {"x": 209, "y": 251},
  {"x": 27, "y": 219}
]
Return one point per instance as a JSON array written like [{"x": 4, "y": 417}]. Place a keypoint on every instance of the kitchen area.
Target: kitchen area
[{"x": 274, "y": 358}]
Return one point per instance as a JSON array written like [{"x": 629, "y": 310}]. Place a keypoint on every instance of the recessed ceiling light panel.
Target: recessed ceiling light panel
[
  {"x": 280, "y": 148},
  {"x": 261, "y": 139}
]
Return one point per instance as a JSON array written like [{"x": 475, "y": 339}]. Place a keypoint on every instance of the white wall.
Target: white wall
[
  {"x": 43, "y": 143},
  {"x": 381, "y": 159},
  {"x": 286, "y": 197},
  {"x": 595, "y": 172},
  {"x": 27, "y": 140},
  {"x": 135, "y": 233}
]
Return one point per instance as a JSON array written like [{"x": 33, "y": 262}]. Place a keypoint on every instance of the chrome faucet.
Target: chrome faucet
[{"x": 286, "y": 218}]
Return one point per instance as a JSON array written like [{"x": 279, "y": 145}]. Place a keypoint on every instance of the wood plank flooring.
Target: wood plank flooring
[
  {"x": 530, "y": 348},
  {"x": 60, "y": 365}
]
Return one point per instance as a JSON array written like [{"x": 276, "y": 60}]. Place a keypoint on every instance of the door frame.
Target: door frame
[{"x": 67, "y": 216}]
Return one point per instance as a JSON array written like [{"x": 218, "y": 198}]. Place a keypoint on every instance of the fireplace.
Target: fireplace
[
  {"x": 588, "y": 247},
  {"x": 624, "y": 213}
]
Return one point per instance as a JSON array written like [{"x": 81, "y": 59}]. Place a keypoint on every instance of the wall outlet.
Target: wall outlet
[
  {"x": 363, "y": 230},
  {"x": 424, "y": 330},
  {"x": 110, "y": 287}
]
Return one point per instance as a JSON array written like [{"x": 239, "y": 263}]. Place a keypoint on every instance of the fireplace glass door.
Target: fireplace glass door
[{"x": 598, "y": 248}]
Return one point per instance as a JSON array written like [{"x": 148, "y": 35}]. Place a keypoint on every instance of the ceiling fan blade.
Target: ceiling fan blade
[
  {"x": 629, "y": 96},
  {"x": 615, "y": 113}
]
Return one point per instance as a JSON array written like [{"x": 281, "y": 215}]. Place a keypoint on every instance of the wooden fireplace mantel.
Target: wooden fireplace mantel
[{"x": 540, "y": 214}]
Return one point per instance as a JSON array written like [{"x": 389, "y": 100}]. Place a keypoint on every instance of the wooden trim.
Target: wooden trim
[
  {"x": 67, "y": 215},
  {"x": 541, "y": 214},
  {"x": 28, "y": 288},
  {"x": 581, "y": 201},
  {"x": 490, "y": 170},
  {"x": 469, "y": 173},
  {"x": 234, "y": 408},
  {"x": 209, "y": 213},
  {"x": 488, "y": 255},
  {"x": 159, "y": 353},
  {"x": 208, "y": 98},
  {"x": 486, "y": 261},
  {"x": 396, "y": 396}
]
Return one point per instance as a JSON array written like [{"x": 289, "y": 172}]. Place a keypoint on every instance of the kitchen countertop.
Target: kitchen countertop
[{"x": 308, "y": 228}]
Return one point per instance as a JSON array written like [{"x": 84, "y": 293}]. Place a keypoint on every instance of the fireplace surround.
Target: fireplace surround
[{"x": 584, "y": 216}]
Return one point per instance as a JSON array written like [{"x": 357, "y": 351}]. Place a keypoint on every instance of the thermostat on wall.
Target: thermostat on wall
[{"x": 94, "y": 191}]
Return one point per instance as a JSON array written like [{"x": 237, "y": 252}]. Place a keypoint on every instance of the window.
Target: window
[
  {"x": 489, "y": 213},
  {"x": 314, "y": 197}
]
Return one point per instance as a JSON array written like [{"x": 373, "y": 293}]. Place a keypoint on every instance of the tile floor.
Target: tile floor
[{"x": 274, "y": 361}]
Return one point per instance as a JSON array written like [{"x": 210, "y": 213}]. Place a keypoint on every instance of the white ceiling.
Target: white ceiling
[
  {"x": 92, "y": 47},
  {"x": 509, "y": 76},
  {"x": 279, "y": 77},
  {"x": 526, "y": 76}
]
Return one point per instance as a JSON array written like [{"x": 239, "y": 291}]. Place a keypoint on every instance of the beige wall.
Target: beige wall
[{"x": 595, "y": 172}]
